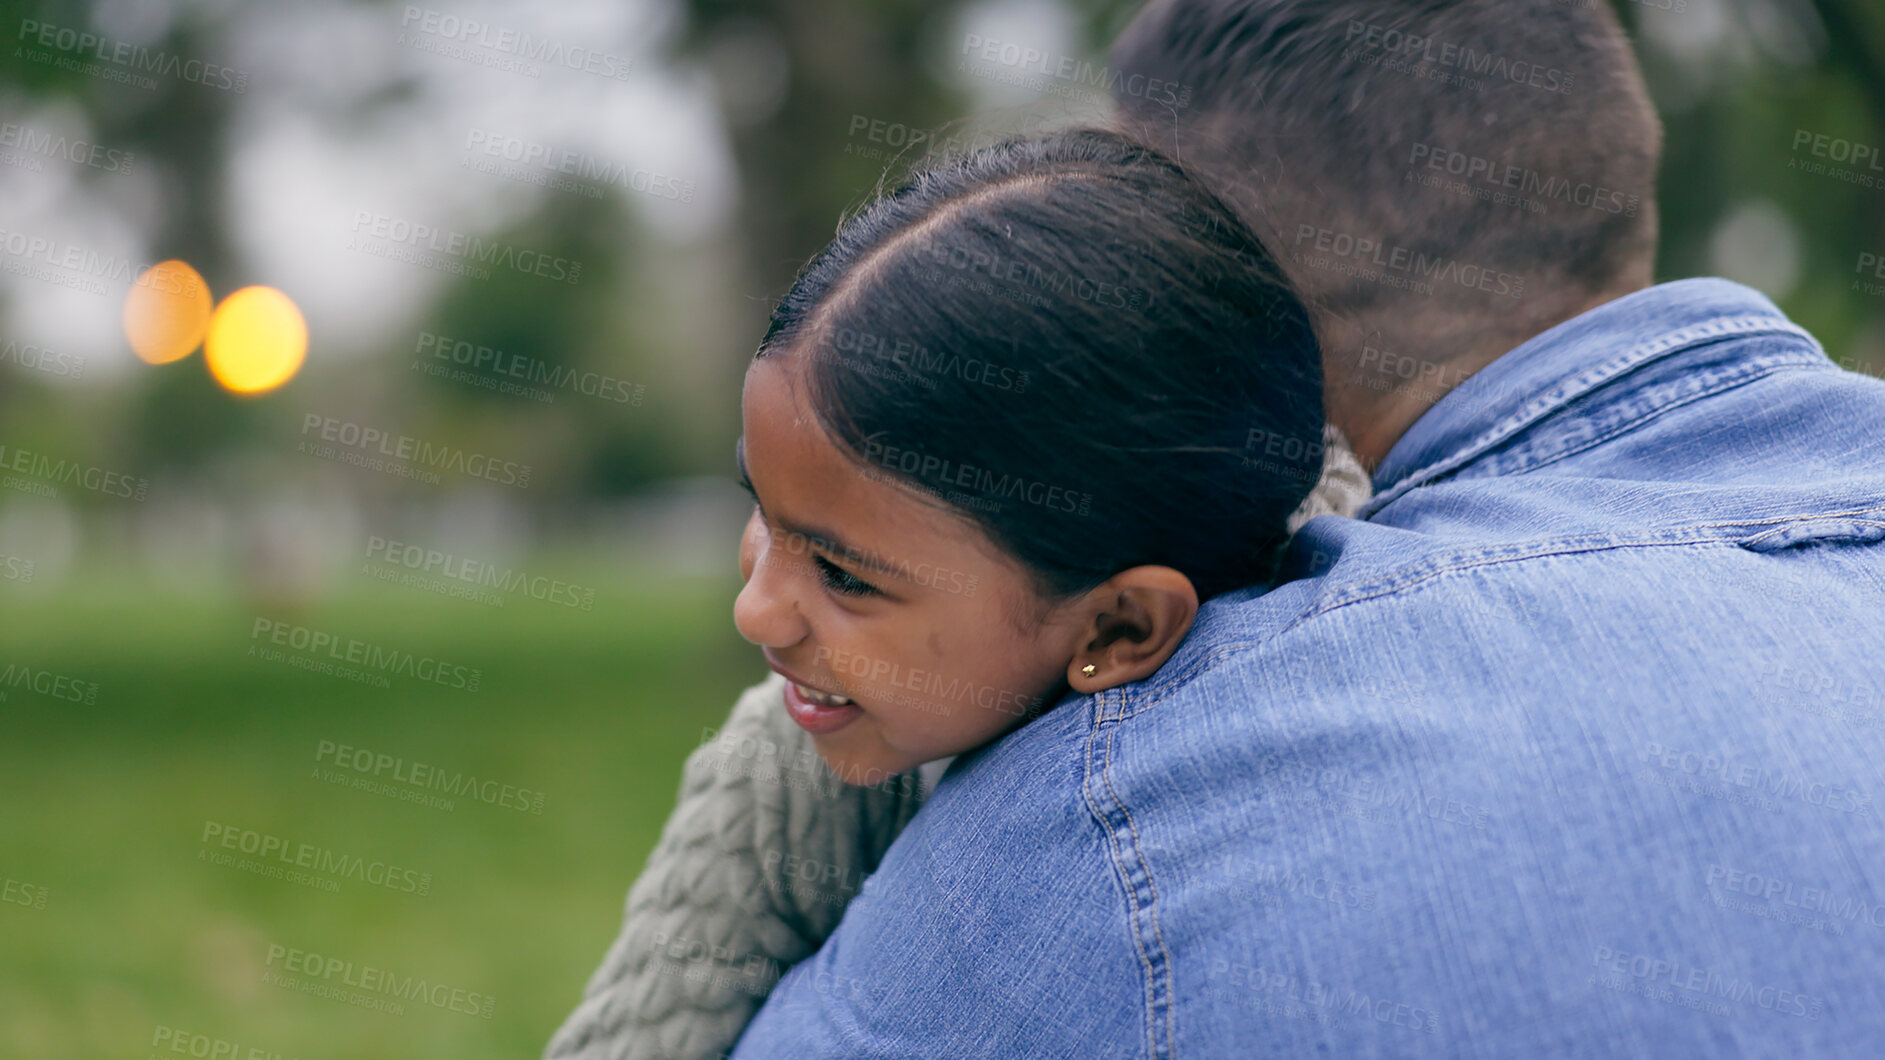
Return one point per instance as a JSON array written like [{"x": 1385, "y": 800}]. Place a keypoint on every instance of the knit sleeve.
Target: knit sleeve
[
  {"x": 1344, "y": 486},
  {"x": 753, "y": 871}
]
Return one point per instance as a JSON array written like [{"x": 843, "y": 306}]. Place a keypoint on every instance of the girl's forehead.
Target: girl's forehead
[
  {"x": 776, "y": 414},
  {"x": 806, "y": 482}
]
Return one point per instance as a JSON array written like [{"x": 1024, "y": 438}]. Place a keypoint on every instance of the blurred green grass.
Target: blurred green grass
[{"x": 103, "y": 805}]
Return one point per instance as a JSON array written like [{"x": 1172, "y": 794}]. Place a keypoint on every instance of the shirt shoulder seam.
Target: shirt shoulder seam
[{"x": 1423, "y": 572}]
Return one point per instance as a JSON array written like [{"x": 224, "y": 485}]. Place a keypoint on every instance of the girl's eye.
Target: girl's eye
[{"x": 839, "y": 580}]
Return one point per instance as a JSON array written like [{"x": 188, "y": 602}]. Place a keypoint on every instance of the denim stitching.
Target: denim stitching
[
  {"x": 1578, "y": 385},
  {"x": 1418, "y": 574},
  {"x": 1784, "y": 521},
  {"x": 1161, "y": 975},
  {"x": 1765, "y": 534},
  {"x": 1686, "y": 392},
  {"x": 1113, "y": 850},
  {"x": 1156, "y": 968},
  {"x": 1408, "y": 579}
]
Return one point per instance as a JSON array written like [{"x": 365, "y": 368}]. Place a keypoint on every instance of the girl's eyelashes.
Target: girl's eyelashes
[
  {"x": 841, "y": 581},
  {"x": 833, "y": 577},
  {"x": 739, "y": 467},
  {"x": 747, "y": 485}
]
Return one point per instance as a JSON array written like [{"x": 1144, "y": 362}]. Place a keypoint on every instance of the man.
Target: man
[{"x": 1570, "y": 748}]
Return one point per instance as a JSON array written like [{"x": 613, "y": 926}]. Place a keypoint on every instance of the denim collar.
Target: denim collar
[{"x": 1600, "y": 348}]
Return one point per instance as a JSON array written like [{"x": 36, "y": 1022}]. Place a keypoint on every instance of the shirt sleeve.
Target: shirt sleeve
[
  {"x": 764, "y": 849},
  {"x": 995, "y": 927}
]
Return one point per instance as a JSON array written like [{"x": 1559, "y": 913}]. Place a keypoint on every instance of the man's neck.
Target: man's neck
[
  {"x": 1376, "y": 388},
  {"x": 1374, "y": 409}
]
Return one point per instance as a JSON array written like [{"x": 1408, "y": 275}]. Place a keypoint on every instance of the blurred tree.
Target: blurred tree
[
  {"x": 792, "y": 77},
  {"x": 834, "y": 59},
  {"x": 180, "y": 130},
  {"x": 1787, "y": 67}
]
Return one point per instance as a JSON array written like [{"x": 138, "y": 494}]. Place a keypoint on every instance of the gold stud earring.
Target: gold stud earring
[{"x": 1088, "y": 669}]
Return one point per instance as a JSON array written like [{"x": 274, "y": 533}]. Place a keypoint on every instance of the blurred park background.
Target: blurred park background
[{"x": 534, "y": 257}]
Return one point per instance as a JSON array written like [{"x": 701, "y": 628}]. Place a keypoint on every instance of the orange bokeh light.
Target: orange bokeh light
[
  {"x": 167, "y": 312},
  {"x": 257, "y": 340}
]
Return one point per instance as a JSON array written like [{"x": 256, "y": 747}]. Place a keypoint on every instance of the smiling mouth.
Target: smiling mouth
[
  {"x": 823, "y": 699},
  {"x": 813, "y": 707},
  {"x": 819, "y": 712}
]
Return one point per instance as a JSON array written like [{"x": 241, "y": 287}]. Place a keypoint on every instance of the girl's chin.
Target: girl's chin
[{"x": 860, "y": 767}]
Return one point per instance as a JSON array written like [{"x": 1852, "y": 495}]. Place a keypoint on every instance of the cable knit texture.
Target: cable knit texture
[{"x": 753, "y": 871}]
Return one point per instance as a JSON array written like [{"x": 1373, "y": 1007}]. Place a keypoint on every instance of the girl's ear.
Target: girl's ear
[{"x": 1136, "y": 620}]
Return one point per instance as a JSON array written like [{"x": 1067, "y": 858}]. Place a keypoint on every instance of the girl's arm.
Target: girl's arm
[
  {"x": 753, "y": 871},
  {"x": 1344, "y": 486}
]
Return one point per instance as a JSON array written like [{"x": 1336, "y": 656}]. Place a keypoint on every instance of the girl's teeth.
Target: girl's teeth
[{"x": 823, "y": 699}]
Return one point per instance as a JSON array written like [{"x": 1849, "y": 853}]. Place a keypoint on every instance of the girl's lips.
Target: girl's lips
[{"x": 817, "y": 718}]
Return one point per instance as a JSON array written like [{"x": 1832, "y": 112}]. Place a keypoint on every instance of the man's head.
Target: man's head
[{"x": 1442, "y": 179}]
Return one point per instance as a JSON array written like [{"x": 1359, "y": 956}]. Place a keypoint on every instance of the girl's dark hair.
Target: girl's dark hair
[{"x": 1074, "y": 344}]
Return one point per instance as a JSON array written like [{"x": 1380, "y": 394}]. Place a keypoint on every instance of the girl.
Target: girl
[{"x": 1003, "y": 436}]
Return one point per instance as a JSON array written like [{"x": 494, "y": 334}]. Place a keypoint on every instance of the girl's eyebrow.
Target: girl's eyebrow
[{"x": 825, "y": 539}]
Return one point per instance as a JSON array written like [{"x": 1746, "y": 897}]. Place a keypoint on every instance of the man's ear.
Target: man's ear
[{"x": 1135, "y": 621}]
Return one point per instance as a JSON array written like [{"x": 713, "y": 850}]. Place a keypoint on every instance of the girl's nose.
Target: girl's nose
[{"x": 766, "y": 611}]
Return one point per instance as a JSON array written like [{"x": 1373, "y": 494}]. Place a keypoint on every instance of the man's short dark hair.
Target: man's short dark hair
[{"x": 1505, "y": 137}]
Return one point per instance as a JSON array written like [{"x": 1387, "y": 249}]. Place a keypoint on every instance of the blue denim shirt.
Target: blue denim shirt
[{"x": 1572, "y": 748}]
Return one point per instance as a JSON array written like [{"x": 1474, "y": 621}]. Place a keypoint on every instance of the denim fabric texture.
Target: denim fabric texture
[{"x": 1570, "y": 747}]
